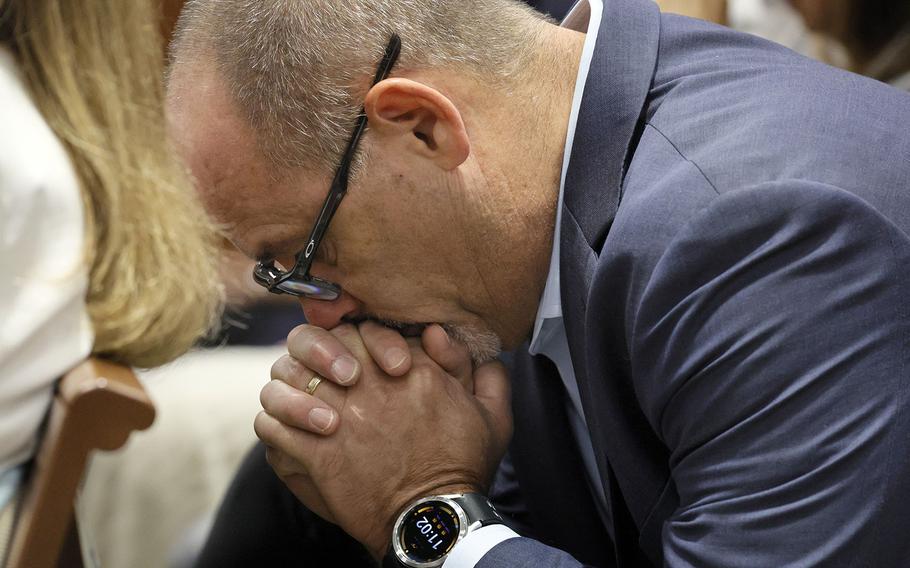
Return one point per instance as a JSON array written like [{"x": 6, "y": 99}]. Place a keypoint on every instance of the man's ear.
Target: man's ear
[{"x": 420, "y": 116}]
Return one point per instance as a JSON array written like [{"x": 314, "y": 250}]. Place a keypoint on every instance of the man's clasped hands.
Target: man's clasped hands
[{"x": 395, "y": 419}]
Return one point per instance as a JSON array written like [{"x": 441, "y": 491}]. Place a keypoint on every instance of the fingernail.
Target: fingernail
[
  {"x": 446, "y": 333},
  {"x": 343, "y": 369},
  {"x": 322, "y": 418},
  {"x": 395, "y": 358}
]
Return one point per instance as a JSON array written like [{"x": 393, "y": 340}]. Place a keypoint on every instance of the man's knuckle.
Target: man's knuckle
[
  {"x": 295, "y": 333},
  {"x": 260, "y": 426},
  {"x": 275, "y": 370},
  {"x": 294, "y": 369},
  {"x": 280, "y": 367},
  {"x": 265, "y": 395}
]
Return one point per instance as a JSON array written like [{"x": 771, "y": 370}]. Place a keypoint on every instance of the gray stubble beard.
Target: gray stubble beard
[{"x": 483, "y": 345}]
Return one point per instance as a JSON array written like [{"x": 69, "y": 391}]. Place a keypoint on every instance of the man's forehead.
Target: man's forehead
[
  {"x": 264, "y": 216},
  {"x": 263, "y": 228},
  {"x": 264, "y": 210},
  {"x": 231, "y": 181}
]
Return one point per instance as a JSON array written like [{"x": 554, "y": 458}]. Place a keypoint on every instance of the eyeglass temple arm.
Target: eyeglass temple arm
[
  {"x": 340, "y": 181},
  {"x": 336, "y": 193},
  {"x": 392, "y": 51}
]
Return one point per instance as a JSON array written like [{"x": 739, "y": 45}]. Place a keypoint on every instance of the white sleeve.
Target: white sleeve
[
  {"x": 468, "y": 552},
  {"x": 44, "y": 325}
]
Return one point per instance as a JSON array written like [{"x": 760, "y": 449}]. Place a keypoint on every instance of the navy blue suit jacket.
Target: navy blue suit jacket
[{"x": 735, "y": 270}]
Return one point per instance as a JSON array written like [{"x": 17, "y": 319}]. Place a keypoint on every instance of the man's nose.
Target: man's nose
[{"x": 329, "y": 314}]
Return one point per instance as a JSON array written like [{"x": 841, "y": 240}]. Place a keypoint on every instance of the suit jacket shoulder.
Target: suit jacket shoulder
[
  {"x": 760, "y": 234},
  {"x": 735, "y": 228}
]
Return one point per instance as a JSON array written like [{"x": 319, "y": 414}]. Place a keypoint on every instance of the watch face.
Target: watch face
[{"x": 429, "y": 531}]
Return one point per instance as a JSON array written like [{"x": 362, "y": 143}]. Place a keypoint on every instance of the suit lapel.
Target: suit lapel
[
  {"x": 548, "y": 468},
  {"x": 609, "y": 119},
  {"x": 608, "y": 127}
]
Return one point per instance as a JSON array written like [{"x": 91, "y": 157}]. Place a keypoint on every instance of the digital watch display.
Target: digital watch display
[{"x": 428, "y": 531}]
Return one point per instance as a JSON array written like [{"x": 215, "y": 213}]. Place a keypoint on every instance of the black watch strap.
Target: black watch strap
[
  {"x": 390, "y": 560},
  {"x": 478, "y": 509}
]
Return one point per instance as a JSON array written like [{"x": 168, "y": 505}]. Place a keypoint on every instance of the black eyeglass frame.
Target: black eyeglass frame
[{"x": 298, "y": 281}]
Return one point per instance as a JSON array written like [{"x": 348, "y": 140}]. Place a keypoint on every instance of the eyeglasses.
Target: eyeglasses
[{"x": 298, "y": 281}]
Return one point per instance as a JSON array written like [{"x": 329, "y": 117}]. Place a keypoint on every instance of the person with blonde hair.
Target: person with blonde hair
[{"x": 104, "y": 250}]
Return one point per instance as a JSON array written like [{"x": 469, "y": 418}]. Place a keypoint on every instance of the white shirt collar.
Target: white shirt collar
[{"x": 586, "y": 13}]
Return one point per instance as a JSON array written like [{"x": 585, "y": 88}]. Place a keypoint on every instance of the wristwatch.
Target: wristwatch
[{"x": 426, "y": 532}]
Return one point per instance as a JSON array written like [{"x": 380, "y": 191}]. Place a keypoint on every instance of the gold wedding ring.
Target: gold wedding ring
[{"x": 312, "y": 385}]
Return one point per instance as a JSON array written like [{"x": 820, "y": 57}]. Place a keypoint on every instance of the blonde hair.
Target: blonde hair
[
  {"x": 299, "y": 69},
  {"x": 95, "y": 69}
]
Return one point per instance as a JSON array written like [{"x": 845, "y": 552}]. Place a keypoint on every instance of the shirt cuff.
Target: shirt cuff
[{"x": 468, "y": 552}]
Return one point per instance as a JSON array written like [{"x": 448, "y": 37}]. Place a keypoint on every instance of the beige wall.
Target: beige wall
[{"x": 713, "y": 10}]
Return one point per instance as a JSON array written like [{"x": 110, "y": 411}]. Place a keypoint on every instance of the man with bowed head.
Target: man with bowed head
[{"x": 696, "y": 243}]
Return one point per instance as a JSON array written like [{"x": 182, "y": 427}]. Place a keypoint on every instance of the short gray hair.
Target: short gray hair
[{"x": 299, "y": 69}]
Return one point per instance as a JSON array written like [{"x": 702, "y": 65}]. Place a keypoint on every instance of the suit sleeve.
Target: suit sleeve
[
  {"x": 518, "y": 552},
  {"x": 523, "y": 552},
  {"x": 771, "y": 353}
]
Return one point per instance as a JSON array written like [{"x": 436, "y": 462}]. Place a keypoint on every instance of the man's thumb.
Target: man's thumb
[{"x": 493, "y": 390}]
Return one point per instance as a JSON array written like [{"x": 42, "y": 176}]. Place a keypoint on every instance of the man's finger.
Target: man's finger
[
  {"x": 300, "y": 410},
  {"x": 324, "y": 353},
  {"x": 349, "y": 335},
  {"x": 296, "y": 443},
  {"x": 387, "y": 347},
  {"x": 299, "y": 376},
  {"x": 284, "y": 465},
  {"x": 298, "y": 481},
  {"x": 452, "y": 356},
  {"x": 494, "y": 391}
]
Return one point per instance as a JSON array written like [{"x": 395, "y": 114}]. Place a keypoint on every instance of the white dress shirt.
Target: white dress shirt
[
  {"x": 549, "y": 336},
  {"x": 44, "y": 326}
]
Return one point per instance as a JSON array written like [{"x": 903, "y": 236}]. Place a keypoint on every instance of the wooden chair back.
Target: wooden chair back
[{"x": 97, "y": 405}]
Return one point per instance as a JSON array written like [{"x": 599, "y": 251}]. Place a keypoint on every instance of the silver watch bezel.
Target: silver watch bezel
[{"x": 396, "y": 541}]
